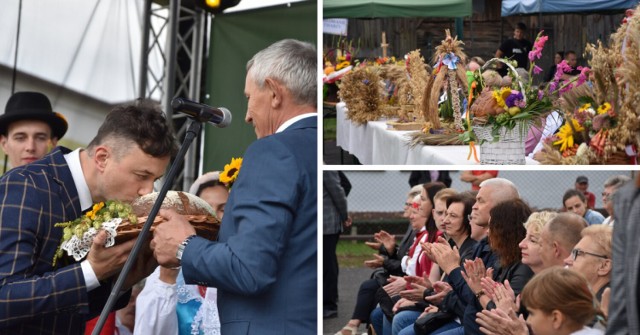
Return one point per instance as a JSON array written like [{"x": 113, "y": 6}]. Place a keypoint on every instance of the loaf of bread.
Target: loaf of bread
[{"x": 197, "y": 211}]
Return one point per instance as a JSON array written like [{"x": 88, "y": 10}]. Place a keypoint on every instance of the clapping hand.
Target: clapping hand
[
  {"x": 413, "y": 294},
  {"x": 505, "y": 298},
  {"x": 442, "y": 289},
  {"x": 473, "y": 272},
  {"x": 498, "y": 322},
  {"x": 373, "y": 245},
  {"x": 396, "y": 284},
  {"x": 446, "y": 257},
  {"x": 388, "y": 240},
  {"x": 376, "y": 262}
]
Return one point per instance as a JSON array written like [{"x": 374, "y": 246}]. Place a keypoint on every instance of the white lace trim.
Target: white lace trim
[
  {"x": 79, "y": 247},
  {"x": 206, "y": 321}
]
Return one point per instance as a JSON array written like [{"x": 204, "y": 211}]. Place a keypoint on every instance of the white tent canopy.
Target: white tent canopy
[{"x": 89, "y": 46}]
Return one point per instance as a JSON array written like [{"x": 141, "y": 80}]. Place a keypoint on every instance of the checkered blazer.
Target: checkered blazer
[{"x": 35, "y": 297}]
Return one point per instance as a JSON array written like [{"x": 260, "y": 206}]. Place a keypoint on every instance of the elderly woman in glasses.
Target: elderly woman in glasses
[{"x": 592, "y": 257}]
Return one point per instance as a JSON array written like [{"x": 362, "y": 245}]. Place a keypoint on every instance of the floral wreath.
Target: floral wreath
[{"x": 230, "y": 173}]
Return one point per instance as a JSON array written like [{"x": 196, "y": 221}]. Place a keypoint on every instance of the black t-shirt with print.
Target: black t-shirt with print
[{"x": 517, "y": 50}]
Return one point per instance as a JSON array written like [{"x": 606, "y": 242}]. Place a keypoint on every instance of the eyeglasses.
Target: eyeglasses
[
  {"x": 577, "y": 252},
  {"x": 606, "y": 195}
]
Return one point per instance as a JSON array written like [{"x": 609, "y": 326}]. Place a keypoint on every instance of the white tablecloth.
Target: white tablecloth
[{"x": 373, "y": 143}]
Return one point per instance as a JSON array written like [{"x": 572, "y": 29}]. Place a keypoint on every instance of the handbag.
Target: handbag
[{"x": 432, "y": 322}]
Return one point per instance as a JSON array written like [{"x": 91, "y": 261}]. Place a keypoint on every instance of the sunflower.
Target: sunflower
[
  {"x": 565, "y": 135},
  {"x": 231, "y": 170}
]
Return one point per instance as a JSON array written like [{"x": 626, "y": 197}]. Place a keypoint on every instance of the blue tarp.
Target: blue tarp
[{"x": 515, "y": 7}]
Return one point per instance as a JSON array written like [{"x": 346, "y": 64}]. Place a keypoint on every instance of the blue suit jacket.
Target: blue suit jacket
[
  {"x": 264, "y": 264},
  {"x": 35, "y": 298}
]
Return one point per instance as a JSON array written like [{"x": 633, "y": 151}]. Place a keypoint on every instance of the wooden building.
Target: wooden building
[{"x": 482, "y": 33}]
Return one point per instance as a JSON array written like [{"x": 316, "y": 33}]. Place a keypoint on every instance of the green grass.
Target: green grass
[
  {"x": 329, "y": 129},
  {"x": 353, "y": 253}
]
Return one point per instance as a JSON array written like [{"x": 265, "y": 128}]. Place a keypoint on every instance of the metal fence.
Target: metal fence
[{"x": 386, "y": 191}]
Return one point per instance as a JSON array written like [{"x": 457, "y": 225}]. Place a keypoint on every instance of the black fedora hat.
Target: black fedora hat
[{"x": 32, "y": 106}]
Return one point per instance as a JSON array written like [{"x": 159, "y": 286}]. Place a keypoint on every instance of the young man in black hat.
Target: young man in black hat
[{"x": 29, "y": 128}]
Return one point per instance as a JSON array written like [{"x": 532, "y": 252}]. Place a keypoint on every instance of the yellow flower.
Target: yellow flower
[
  {"x": 565, "y": 135},
  {"x": 505, "y": 92},
  {"x": 604, "y": 108},
  {"x": 231, "y": 170},
  {"x": 497, "y": 96},
  {"x": 342, "y": 65}
]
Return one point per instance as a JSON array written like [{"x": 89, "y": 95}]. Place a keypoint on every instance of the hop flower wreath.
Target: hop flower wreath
[
  {"x": 230, "y": 173},
  {"x": 78, "y": 234}
]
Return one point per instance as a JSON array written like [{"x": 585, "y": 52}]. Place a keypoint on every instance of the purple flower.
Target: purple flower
[
  {"x": 541, "y": 94},
  {"x": 552, "y": 86},
  {"x": 513, "y": 99}
]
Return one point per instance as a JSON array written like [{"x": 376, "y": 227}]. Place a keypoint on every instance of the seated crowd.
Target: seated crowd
[{"x": 486, "y": 262}]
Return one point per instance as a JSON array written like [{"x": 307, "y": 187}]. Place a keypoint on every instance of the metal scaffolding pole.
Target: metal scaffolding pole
[{"x": 174, "y": 81}]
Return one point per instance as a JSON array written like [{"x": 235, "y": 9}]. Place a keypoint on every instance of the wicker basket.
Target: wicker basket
[{"x": 508, "y": 150}]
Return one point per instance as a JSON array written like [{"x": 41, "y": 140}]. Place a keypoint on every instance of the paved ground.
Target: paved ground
[
  {"x": 349, "y": 281},
  {"x": 333, "y": 155}
]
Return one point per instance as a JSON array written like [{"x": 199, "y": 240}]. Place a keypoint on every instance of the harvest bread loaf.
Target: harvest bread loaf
[{"x": 195, "y": 209}]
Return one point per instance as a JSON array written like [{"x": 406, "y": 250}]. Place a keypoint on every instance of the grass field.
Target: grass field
[
  {"x": 329, "y": 129},
  {"x": 353, "y": 254}
]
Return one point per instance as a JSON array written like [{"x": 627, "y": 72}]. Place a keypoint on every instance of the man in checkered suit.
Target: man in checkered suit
[{"x": 130, "y": 151}]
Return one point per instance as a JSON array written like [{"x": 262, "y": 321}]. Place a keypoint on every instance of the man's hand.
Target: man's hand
[
  {"x": 168, "y": 235},
  {"x": 106, "y": 262}
]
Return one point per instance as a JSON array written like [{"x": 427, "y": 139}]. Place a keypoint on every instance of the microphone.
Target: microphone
[{"x": 219, "y": 117}]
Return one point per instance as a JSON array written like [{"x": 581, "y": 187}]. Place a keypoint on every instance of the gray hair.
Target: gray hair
[
  {"x": 616, "y": 181},
  {"x": 292, "y": 63},
  {"x": 415, "y": 190},
  {"x": 504, "y": 189}
]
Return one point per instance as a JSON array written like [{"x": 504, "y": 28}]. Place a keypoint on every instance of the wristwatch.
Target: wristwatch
[{"x": 182, "y": 245}]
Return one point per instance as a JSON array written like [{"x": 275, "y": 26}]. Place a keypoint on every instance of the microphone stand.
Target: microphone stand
[{"x": 194, "y": 129}]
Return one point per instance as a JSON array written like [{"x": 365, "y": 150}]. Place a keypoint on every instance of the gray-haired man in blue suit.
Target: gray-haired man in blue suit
[{"x": 264, "y": 263}]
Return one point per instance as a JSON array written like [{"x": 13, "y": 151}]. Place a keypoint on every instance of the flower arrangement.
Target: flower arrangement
[
  {"x": 338, "y": 61},
  {"x": 602, "y": 118},
  {"x": 78, "y": 234},
  {"x": 230, "y": 172},
  {"x": 504, "y": 109}
]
